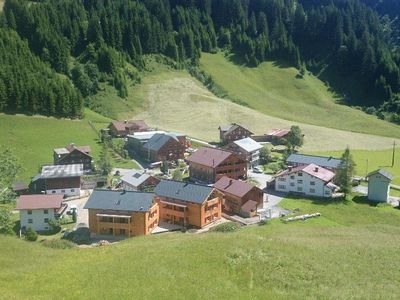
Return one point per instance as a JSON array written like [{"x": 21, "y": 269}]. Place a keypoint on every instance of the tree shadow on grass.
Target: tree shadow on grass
[
  {"x": 317, "y": 200},
  {"x": 364, "y": 200}
]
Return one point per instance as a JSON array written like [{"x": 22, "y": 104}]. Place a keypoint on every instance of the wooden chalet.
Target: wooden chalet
[
  {"x": 72, "y": 154},
  {"x": 233, "y": 132}
]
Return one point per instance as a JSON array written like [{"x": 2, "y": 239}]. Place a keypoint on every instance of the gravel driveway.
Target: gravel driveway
[{"x": 83, "y": 216}]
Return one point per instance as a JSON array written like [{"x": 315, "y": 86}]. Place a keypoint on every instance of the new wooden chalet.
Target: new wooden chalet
[
  {"x": 165, "y": 147},
  {"x": 233, "y": 132},
  {"x": 123, "y": 128},
  {"x": 59, "y": 179},
  {"x": 122, "y": 213},
  {"x": 72, "y": 154},
  {"x": 239, "y": 197},
  {"x": 210, "y": 164},
  {"x": 188, "y": 204}
]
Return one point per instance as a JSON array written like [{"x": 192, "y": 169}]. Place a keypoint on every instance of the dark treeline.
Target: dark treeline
[{"x": 341, "y": 41}]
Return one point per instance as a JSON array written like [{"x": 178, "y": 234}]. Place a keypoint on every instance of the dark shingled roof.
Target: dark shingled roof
[
  {"x": 157, "y": 141},
  {"x": 322, "y": 161},
  {"x": 190, "y": 192},
  {"x": 120, "y": 200},
  {"x": 234, "y": 187},
  {"x": 210, "y": 157},
  {"x": 383, "y": 172}
]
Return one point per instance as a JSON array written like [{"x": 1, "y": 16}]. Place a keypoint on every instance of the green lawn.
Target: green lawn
[
  {"x": 373, "y": 160},
  {"x": 34, "y": 137},
  {"x": 332, "y": 257},
  {"x": 275, "y": 91}
]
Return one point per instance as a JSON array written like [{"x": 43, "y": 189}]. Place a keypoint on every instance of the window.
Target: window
[
  {"x": 46, "y": 220},
  {"x": 46, "y": 211},
  {"x": 327, "y": 193},
  {"x": 292, "y": 177},
  {"x": 282, "y": 187},
  {"x": 292, "y": 184},
  {"x": 30, "y": 221},
  {"x": 281, "y": 179},
  {"x": 300, "y": 174},
  {"x": 312, "y": 191},
  {"x": 299, "y": 189},
  {"x": 29, "y": 212},
  {"x": 312, "y": 182},
  {"x": 53, "y": 192},
  {"x": 299, "y": 181},
  {"x": 72, "y": 190}
]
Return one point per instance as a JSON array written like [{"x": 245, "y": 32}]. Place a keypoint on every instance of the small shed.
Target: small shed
[
  {"x": 249, "y": 209},
  {"x": 379, "y": 185}
]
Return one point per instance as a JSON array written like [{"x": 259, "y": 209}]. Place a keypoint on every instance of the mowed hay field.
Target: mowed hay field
[
  {"x": 276, "y": 91},
  {"x": 176, "y": 101},
  {"x": 33, "y": 139},
  {"x": 368, "y": 161},
  {"x": 348, "y": 253}
]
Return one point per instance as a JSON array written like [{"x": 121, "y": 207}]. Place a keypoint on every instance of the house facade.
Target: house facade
[
  {"x": 164, "y": 147},
  {"x": 36, "y": 211},
  {"x": 72, "y": 154},
  {"x": 233, "y": 132},
  {"x": 249, "y": 150},
  {"x": 330, "y": 163},
  {"x": 59, "y": 179},
  {"x": 135, "y": 180},
  {"x": 236, "y": 197},
  {"x": 123, "y": 128},
  {"x": 379, "y": 185},
  {"x": 122, "y": 213},
  {"x": 210, "y": 164},
  {"x": 188, "y": 204},
  {"x": 311, "y": 180}
]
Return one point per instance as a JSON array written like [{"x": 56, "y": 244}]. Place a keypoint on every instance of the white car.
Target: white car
[{"x": 257, "y": 170}]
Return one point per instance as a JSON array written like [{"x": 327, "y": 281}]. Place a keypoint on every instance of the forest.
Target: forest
[{"x": 73, "y": 45}]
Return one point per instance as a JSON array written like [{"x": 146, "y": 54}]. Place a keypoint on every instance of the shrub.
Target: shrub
[
  {"x": 226, "y": 227},
  {"x": 59, "y": 244},
  {"x": 263, "y": 222},
  {"x": 31, "y": 235}
]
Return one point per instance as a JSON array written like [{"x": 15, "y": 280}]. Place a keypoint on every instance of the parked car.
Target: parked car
[
  {"x": 257, "y": 170},
  {"x": 72, "y": 209}
]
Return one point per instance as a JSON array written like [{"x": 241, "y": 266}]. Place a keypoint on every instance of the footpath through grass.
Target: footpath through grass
[
  {"x": 349, "y": 252},
  {"x": 274, "y": 90}
]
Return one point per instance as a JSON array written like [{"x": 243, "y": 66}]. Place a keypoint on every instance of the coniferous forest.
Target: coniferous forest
[{"x": 55, "y": 52}]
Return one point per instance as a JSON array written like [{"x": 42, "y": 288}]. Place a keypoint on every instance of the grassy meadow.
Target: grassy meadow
[
  {"x": 331, "y": 257},
  {"x": 368, "y": 161},
  {"x": 34, "y": 137},
  {"x": 274, "y": 90}
]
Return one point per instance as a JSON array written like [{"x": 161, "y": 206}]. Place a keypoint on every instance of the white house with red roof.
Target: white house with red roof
[
  {"x": 35, "y": 211},
  {"x": 309, "y": 179}
]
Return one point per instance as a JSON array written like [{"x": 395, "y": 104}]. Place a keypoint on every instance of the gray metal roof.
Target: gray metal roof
[
  {"x": 322, "y": 161},
  {"x": 61, "y": 171},
  {"x": 248, "y": 144},
  {"x": 61, "y": 151},
  {"x": 135, "y": 177},
  {"x": 144, "y": 136},
  {"x": 120, "y": 200},
  {"x": 185, "y": 191},
  {"x": 383, "y": 172},
  {"x": 159, "y": 140}
]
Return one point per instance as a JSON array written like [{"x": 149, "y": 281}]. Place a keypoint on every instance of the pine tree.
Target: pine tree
[{"x": 345, "y": 172}]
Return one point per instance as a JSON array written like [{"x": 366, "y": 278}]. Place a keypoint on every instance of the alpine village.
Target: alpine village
[{"x": 221, "y": 149}]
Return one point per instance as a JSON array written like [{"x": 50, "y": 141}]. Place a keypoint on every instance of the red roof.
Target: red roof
[
  {"x": 209, "y": 157},
  {"x": 278, "y": 132},
  {"x": 39, "y": 201},
  {"x": 311, "y": 169},
  {"x": 234, "y": 187}
]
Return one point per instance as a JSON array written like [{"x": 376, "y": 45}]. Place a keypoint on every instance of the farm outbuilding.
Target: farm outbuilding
[{"x": 379, "y": 185}]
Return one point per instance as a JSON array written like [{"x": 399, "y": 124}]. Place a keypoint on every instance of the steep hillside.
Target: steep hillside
[
  {"x": 348, "y": 253},
  {"x": 274, "y": 90},
  {"x": 173, "y": 100}
]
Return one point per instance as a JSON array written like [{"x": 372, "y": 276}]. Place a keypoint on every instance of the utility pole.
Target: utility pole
[{"x": 394, "y": 151}]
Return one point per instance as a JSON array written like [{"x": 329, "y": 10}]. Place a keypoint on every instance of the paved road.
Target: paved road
[{"x": 83, "y": 217}]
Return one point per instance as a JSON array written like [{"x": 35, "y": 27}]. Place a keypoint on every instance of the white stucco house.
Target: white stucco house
[
  {"x": 249, "y": 149},
  {"x": 35, "y": 211},
  {"x": 309, "y": 180},
  {"x": 379, "y": 185}
]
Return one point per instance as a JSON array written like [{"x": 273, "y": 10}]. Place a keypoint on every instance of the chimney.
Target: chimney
[
  {"x": 125, "y": 121},
  {"x": 316, "y": 169},
  {"x": 290, "y": 168}
]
